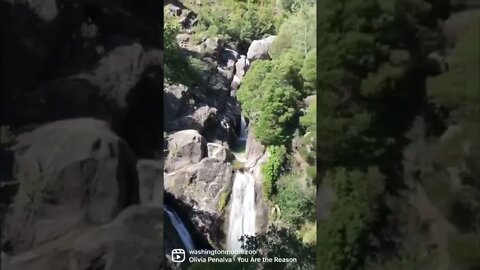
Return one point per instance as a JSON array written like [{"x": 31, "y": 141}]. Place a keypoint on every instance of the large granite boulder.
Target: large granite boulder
[
  {"x": 203, "y": 188},
  {"x": 185, "y": 148},
  {"x": 219, "y": 151},
  {"x": 150, "y": 179},
  {"x": 133, "y": 241},
  {"x": 71, "y": 173},
  {"x": 260, "y": 49},
  {"x": 203, "y": 119}
]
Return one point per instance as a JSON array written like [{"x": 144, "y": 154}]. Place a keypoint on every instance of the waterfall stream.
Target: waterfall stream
[
  {"x": 180, "y": 228},
  {"x": 242, "y": 217},
  {"x": 243, "y": 130},
  {"x": 242, "y": 212}
]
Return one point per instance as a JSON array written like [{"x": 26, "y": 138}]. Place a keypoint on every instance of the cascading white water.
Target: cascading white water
[
  {"x": 243, "y": 130},
  {"x": 180, "y": 228},
  {"x": 242, "y": 219}
]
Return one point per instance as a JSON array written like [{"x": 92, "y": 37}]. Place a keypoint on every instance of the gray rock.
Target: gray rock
[
  {"x": 259, "y": 49},
  {"x": 235, "y": 85},
  {"x": 120, "y": 71},
  {"x": 176, "y": 97},
  {"x": 185, "y": 148},
  {"x": 255, "y": 150},
  {"x": 72, "y": 173},
  {"x": 212, "y": 44},
  {"x": 52, "y": 255},
  {"x": 173, "y": 10},
  {"x": 200, "y": 187},
  {"x": 201, "y": 120},
  {"x": 150, "y": 179},
  {"x": 45, "y": 9},
  {"x": 241, "y": 67},
  {"x": 310, "y": 99},
  {"x": 183, "y": 39},
  {"x": 219, "y": 151},
  {"x": 133, "y": 241}
]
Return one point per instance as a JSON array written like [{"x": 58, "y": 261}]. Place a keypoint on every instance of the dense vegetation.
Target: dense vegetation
[{"x": 349, "y": 115}]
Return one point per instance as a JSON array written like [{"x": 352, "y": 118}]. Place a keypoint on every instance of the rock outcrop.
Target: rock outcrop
[
  {"x": 260, "y": 49},
  {"x": 150, "y": 179},
  {"x": 219, "y": 151},
  {"x": 82, "y": 93},
  {"x": 133, "y": 241},
  {"x": 72, "y": 173},
  {"x": 200, "y": 188},
  {"x": 185, "y": 148}
]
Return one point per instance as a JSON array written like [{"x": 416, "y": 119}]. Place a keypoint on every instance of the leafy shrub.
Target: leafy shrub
[
  {"x": 179, "y": 68},
  {"x": 280, "y": 242},
  {"x": 237, "y": 20},
  {"x": 312, "y": 172},
  {"x": 272, "y": 168},
  {"x": 308, "y": 233},
  {"x": 345, "y": 235},
  {"x": 270, "y": 102},
  {"x": 295, "y": 200}
]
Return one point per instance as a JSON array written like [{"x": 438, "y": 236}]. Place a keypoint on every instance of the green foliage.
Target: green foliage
[
  {"x": 270, "y": 103},
  {"x": 272, "y": 168},
  {"x": 295, "y": 199},
  {"x": 296, "y": 34},
  {"x": 346, "y": 234},
  {"x": 308, "y": 233},
  {"x": 283, "y": 243},
  {"x": 312, "y": 172},
  {"x": 457, "y": 89},
  {"x": 369, "y": 50},
  {"x": 250, "y": 92},
  {"x": 309, "y": 70},
  {"x": 237, "y": 20},
  {"x": 309, "y": 120},
  {"x": 458, "y": 196},
  {"x": 178, "y": 67},
  {"x": 271, "y": 91}
]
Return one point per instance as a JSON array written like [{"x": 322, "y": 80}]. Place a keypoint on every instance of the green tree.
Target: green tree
[
  {"x": 296, "y": 200},
  {"x": 269, "y": 102},
  {"x": 309, "y": 70},
  {"x": 281, "y": 243},
  {"x": 345, "y": 236},
  {"x": 272, "y": 168}
]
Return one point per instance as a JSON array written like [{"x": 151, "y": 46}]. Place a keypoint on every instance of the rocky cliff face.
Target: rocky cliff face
[{"x": 81, "y": 90}]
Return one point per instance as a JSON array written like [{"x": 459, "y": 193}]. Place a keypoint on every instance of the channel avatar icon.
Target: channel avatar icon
[{"x": 178, "y": 255}]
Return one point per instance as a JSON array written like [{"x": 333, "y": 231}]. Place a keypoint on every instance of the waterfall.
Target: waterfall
[
  {"x": 243, "y": 129},
  {"x": 180, "y": 228},
  {"x": 242, "y": 212}
]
